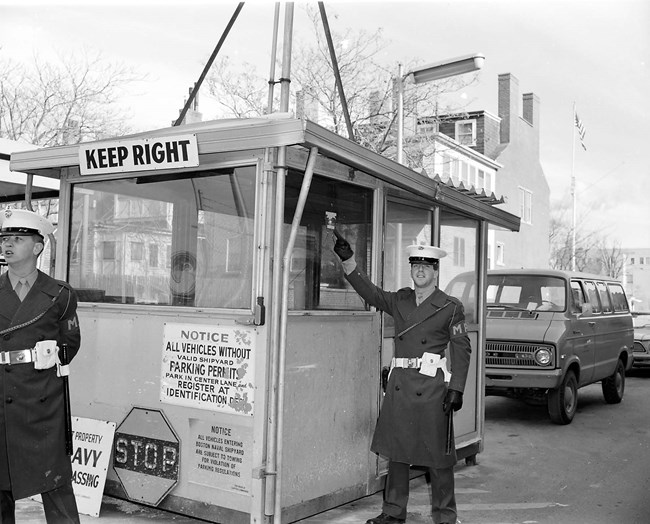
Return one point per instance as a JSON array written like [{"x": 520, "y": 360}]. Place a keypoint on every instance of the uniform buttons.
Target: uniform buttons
[
  {"x": 419, "y": 393},
  {"x": 43, "y": 399},
  {"x": 7, "y": 369},
  {"x": 7, "y": 336},
  {"x": 396, "y": 388},
  {"x": 424, "y": 341},
  {"x": 401, "y": 337},
  {"x": 9, "y": 400}
]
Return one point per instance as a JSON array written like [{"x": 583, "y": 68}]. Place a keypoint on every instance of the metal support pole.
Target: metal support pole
[
  {"x": 400, "y": 114},
  {"x": 337, "y": 73},
  {"x": 207, "y": 67}
]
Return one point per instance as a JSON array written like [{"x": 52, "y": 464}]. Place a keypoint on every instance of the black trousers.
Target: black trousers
[
  {"x": 60, "y": 506},
  {"x": 443, "y": 498}
]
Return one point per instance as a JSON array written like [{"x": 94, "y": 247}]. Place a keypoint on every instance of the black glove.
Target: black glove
[
  {"x": 342, "y": 247},
  {"x": 453, "y": 400}
]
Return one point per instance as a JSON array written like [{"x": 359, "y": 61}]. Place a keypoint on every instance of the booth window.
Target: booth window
[
  {"x": 316, "y": 277},
  {"x": 181, "y": 239},
  {"x": 405, "y": 225},
  {"x": 459, "y": 271}
]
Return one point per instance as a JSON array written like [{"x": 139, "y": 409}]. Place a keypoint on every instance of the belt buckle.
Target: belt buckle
[
  {"x": 4, "y": 358},
  {"x": 412, "y": 363},
  {"x": 20, "y": 357}
]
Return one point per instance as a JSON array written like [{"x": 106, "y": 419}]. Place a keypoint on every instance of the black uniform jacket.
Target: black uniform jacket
[
  {"x": 412, "y": 425},
  {"x": 32, "y": 427}
]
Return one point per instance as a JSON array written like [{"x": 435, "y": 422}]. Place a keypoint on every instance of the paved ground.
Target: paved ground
[{"x": 595, "y": 470}]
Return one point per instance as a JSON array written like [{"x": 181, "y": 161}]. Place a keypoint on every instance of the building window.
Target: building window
[
  {"x": 108, "y": 250},
  {"x": 632, "y": 260},
  {"x": 525, "y": 205},
  {"x": 464, "y": 176},
  {"x": 446, "y": 166},
  {"x": 153, "y": 255},
  {"x": 466, "y": 132},
  {"x": 499, "y": 255},
  {"x": 137, "y": 251}
]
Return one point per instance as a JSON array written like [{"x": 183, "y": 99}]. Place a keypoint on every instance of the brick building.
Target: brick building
[{"x": 512, "y": 141}]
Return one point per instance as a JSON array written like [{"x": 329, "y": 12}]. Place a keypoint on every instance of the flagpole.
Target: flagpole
[{"x": 573, "y": 191}]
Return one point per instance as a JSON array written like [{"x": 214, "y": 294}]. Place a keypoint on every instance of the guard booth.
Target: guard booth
[{"x": 218, "y": 332}]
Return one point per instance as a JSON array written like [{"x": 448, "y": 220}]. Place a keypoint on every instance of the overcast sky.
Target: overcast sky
[{"x": 593, "y": 53}]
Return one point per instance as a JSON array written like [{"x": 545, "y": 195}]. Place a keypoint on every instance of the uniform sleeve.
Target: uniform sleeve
[
  {"x": 459, "y": 348},
  {"x": 69, "y": 332},
  {"x": 373, "y": 295}
]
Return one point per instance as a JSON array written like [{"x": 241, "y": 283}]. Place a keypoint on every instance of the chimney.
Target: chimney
[
  {"x": 531, "y": 114},
  {"x": 508, "y": 105},
  {"x": 193, "y": 115},
  {"x": 531, "y": 109}
]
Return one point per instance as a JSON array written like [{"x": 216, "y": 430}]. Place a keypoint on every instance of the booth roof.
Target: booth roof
[
  {"x": 12, "y": 184},
  {"x": 220, "y": 136}
]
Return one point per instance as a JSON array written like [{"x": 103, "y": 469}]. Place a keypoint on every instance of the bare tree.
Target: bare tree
[
  {"x": 242, "y": 94},
  {"x": 55, "y": 103},
  {"x": 370, "y": 90},
  {"x": 611, "y": 258},
  {"x": 561, "y": 241}
]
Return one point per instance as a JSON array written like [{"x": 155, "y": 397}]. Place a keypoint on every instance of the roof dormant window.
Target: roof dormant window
[{"x": 466, "y": 132}]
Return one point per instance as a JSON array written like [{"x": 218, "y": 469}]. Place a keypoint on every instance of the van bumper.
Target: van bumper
[{"x": 522, "y": 378}]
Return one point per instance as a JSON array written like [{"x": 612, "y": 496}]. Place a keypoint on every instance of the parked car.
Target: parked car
[
  {"x": 641, "y": 338},
  {"x": 549, "y": 333}
]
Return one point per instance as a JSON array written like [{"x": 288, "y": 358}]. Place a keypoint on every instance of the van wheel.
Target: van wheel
[
  {"x": 614, "y": 386},
  {"x": 563, "y": 401}
]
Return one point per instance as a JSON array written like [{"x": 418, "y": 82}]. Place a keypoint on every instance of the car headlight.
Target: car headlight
[{"x": 543, "y": 356}]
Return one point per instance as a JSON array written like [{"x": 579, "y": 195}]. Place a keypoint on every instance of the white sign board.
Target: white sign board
[
  {"x": 220, "y": 455},
  {"x": 92, "y": 443},
  {"x": 144, "y": 154},
  {"x": 208, "y": 367}
]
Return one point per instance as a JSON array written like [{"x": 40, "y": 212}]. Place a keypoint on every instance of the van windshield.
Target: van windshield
[{"x": 526, "y": 292}]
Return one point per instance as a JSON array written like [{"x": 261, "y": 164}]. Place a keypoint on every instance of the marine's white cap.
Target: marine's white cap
[
  {"x": 23, "y": 222},
  {"x": 420, "y": 253}
]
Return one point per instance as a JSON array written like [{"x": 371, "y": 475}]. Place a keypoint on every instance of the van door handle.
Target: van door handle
[{"x": 592, "y": 324}]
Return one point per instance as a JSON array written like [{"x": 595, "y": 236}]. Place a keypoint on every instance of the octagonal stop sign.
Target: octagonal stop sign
[{"x": 146, "y": 454}]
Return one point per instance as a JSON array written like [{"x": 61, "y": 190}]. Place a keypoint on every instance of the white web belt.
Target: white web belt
[{"x": 428, "y": 365}]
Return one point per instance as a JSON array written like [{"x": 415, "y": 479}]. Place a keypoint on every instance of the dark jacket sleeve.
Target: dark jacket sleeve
[
  {"x": 372, "y": 294},
  {"x": 459, "y": 347},
  {"x": 69, "y": 332}
]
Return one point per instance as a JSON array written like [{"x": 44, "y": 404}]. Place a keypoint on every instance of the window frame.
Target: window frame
[
  {"x": 460, "y": 136},
  {"x": 525, "y": 208}
]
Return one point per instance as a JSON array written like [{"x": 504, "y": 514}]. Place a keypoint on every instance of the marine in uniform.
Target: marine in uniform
[
  {"x": 37, "y": 315},
  {"x": 413, "y": 422}
]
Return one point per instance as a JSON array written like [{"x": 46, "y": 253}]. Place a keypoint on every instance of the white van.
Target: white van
[{"x": 552, "y": 332}]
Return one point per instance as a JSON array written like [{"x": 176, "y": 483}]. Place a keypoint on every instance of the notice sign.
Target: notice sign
[
  {"x": 220, "y": 456},
  {"x": 208, "y": 367},
  {"x": 144, "y": 154},
  {"x": 92, "y": 443}
]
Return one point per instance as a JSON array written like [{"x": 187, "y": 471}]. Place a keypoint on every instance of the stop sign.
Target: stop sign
[{"x": 146, "y": 454}]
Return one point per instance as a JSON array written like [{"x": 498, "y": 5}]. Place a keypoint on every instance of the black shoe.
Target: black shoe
[{"x": 384, "y": 518}]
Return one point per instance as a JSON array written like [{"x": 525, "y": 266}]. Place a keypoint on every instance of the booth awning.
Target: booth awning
[
  {"x": 12, "y": 184},
  {"x": 221, "y": 136}
]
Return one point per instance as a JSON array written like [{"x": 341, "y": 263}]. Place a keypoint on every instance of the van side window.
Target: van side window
[
  {"x": 592, "y": 297},
  {"x": 604, "y": 297},
  {"x": 577, "y": 297},
  {"x": 618, "y": 297}
]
